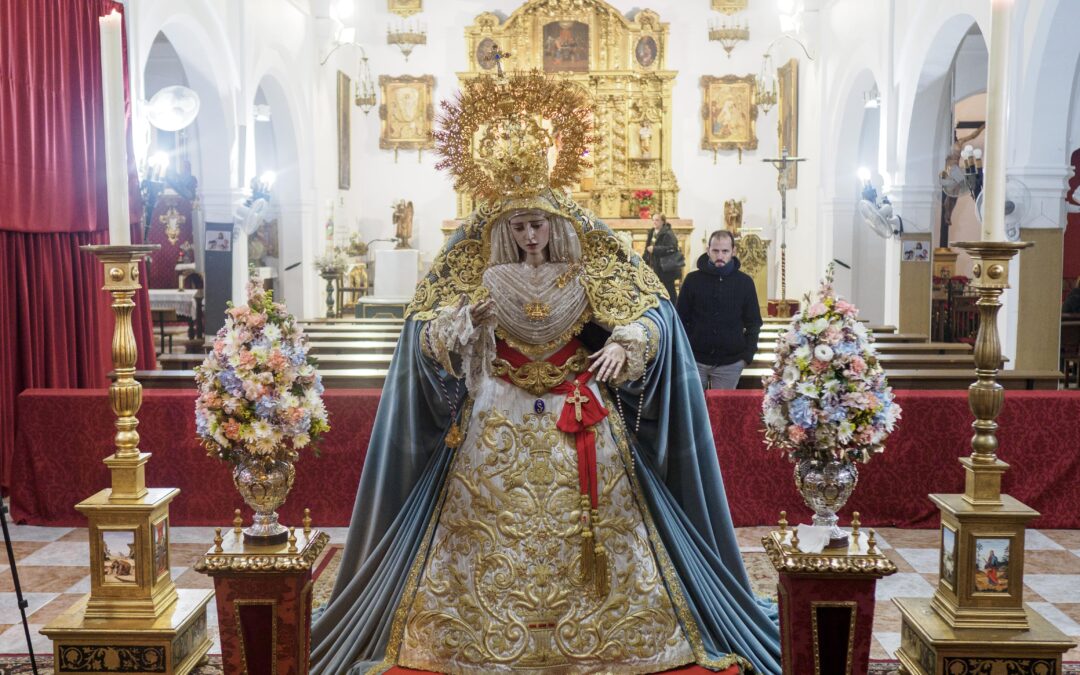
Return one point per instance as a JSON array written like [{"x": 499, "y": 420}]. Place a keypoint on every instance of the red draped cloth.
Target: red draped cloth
[
  {"x": 1039, "y": 439},
  {"x": 55, "y": 322}
]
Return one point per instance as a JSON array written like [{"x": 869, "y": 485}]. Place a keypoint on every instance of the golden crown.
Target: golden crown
[{"x": 514, "y": 137}]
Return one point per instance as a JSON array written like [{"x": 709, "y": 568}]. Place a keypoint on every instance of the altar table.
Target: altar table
[{"x": 63, "y": 434}]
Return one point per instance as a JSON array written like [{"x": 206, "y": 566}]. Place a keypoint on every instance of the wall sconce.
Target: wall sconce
[
  {"x": 406, "y": 36},
  {"x": 364, "y": 92},
  {"x": 729, "y": 35},
  {"x": 766, "y": 85},
  {"x": 972, "y": 164}
]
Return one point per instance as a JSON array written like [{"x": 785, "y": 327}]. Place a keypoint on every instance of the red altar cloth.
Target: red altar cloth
[{"x": 63, "y": 434}]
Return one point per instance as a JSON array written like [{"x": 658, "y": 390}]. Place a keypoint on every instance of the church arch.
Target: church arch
[{"x": 199, "y": 42}]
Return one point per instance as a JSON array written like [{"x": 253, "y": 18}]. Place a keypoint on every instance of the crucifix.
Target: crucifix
[
  {"x": 499, "y": 55},
  {"x": 576, "y": 399},
  {"x": 783, "y": 165}
]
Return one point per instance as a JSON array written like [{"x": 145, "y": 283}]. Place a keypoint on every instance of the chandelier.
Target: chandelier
[
  {"x": 406, "y": 36},
  {"x": 766, "y": 85},
  {"x": 728, "y": 33},
  {"x": 364, "y": 96}
]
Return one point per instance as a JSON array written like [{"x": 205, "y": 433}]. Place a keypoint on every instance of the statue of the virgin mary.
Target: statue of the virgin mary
[{"x": 541, "y": 492}]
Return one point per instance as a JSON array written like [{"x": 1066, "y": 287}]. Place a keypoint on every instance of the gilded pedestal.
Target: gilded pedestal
[
  {"x": 826, "y": 603},
  {"x": 976, "y": 621},
  {"x": 134, "y": 620},
  {"x": 264, "y": 601}
]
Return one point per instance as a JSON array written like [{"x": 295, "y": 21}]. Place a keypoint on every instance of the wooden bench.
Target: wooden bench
[{"x": 938, "y": 378}]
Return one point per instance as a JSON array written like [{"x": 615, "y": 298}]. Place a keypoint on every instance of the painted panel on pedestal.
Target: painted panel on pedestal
[
  {"x": 948, "y": 556},
  {"x": 992, "y": 564},
  {"x": 118, "y": 556}
]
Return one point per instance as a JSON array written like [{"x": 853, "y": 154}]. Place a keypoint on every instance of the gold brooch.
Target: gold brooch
[{"x": 537, "y": 311}]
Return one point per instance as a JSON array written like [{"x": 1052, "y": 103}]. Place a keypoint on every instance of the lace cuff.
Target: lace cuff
[
  {"x": 452, "y": 333},
  {"x": 633, "y": 337}
]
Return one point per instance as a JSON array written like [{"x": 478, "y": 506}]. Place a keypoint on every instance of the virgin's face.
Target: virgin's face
[{"x": 531, "y": 231}]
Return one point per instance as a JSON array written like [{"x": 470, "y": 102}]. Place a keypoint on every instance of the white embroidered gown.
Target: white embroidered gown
[{"x": 501, "y": 588}]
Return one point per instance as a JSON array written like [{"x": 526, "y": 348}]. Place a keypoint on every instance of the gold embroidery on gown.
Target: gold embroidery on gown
[{"x": 501, "y": 587}]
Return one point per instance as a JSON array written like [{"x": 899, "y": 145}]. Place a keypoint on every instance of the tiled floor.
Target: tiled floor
[{"x": 53, "y": 571}]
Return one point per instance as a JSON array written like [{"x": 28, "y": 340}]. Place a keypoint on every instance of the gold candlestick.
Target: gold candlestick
[
  {"x": 128, "y": 464},
  {"x": 977, "y": 616},
  {"x": 132, "y": 601}
]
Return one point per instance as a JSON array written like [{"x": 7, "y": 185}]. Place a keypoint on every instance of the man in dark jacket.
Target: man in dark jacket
[{"x": 718, "y": 306}]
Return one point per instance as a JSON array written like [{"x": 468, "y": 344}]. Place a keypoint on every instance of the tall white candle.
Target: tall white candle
[
  {"x": 997, "y": 84},
  {"x": 112, "y": 96}
]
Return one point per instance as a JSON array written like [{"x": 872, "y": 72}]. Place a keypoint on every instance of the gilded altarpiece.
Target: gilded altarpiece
[{"x": 620, "y": 64}]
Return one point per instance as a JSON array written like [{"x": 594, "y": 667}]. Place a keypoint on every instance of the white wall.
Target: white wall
[{"x": 906, "y": 46}]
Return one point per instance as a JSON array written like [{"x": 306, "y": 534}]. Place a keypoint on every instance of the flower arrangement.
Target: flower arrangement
[
  {"x": 334, "y": 261},
  {"x": 644, "y": 199},
  {"x": 260, "y": 395},
  {"x": 827, "y": 398}
]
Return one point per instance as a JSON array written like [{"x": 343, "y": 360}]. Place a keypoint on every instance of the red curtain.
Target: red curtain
[{"x": 55, "y": 322}]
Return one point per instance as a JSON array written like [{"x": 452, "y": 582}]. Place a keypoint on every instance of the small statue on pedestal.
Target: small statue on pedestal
[{"x": 403, "y": 221}]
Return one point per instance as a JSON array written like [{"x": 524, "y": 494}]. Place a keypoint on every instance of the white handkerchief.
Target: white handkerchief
[{"x": 812, "y": 538}]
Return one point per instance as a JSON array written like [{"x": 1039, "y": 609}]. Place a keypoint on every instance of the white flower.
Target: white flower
[
  {"x": 823, "y": 353},
  {"x": 817, "y": 325},
  {"x": 807, "y": 389},
  {"x": 791, "y": 375},
  {"x": 803, "y": 352},
  {"x": 844, "y": 431},
  {"x": 792, "y": 337},
  {"x": 301, "y": 440},
  {"x": 262, "y": 429},
  {"x": 831, "y": 386},
  {"x": 859, "y": 329},
  {"x": 271, "y": 332}
]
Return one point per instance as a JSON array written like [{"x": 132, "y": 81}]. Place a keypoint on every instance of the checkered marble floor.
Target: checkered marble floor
[{"x": 53, "y": 566}]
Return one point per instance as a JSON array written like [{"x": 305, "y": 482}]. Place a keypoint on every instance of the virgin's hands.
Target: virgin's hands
[
  {"x": 482, "y": 312},
  {"x": 608, "y": 362}
]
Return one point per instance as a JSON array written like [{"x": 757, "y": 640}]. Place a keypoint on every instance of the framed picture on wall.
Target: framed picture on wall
[
  {"x": 566, "y": 47},
  {"x": 729, "y": 113},
  {"x": 344, "y": 130},
  {"x": 406, "y": 112},
  {"x": 788, "y": 107},
  {"x": 405, "y": 8}
]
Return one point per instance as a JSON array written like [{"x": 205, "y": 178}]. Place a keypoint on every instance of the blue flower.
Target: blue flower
[
  {"x": 318, "y": 385},
  {"x": 846, "y": 348},
  {"x": 231, "y": 383},
  {"x": 264, "y": 407},
  {"x": 202, "y": 424},
  {"x": 801, "y": 412}
]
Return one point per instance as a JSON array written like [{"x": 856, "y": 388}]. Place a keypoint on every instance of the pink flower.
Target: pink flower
[
  {"x": 796, "y": 434},
  {"x": 831, "y": 335},
  {"x": 232, "y": 429},
  {"x": 277, "y": 360},
  {"x": 846, "y": 308},
  {"x": 819, "y": 367},
  {"x": 245, "y": 359},
  {"x": 857, "y": 366},
  {"x": 257, "y": 319},
  {"x": 816, "y": 309}
]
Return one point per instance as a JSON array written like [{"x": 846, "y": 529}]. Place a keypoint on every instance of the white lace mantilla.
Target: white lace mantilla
[{"x": 536, "y": 305}]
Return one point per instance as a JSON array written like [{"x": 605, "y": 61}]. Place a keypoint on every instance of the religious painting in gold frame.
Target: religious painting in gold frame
[
  {"x": 344, "y": 130},
  {"x": 406, "y": 112},
  {"x": 729, "y": 6},
  {"x": 566, "y": 47},
  {"x": 405, "y": 8},
  {"x": 787, "y": 76},
  {"x": 728, "y": 113}
]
